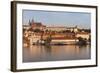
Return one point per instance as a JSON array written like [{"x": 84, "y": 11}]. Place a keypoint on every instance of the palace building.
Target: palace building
[{"x": 40, "y": 26}]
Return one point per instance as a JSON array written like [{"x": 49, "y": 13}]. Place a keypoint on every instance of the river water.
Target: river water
[{"x": 38, "y": 53}]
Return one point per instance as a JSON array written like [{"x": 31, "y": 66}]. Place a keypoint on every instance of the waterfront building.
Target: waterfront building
[
  {"x": 64, "y": 40},
  {"x": 83, "y": 35}
]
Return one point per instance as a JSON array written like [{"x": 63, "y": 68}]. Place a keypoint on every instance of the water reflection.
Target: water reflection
[{"x": 36, "y": 53}]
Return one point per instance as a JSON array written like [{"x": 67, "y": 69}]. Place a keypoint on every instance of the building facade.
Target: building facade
[{"x": 36, "y": 31}]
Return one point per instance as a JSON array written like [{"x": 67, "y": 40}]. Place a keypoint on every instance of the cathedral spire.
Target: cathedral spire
[
  {"x": 33, "y": 20},
  {"x": 29, "y": 23}
]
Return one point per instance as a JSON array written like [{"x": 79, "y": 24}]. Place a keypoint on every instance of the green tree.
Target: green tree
[{"x": 37, "y": 30}]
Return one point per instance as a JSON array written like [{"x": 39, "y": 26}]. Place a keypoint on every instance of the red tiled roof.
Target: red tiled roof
[{"x": 38, "y": 24}]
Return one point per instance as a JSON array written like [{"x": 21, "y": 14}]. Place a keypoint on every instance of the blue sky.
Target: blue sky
[{"x": 60, "y": 18}]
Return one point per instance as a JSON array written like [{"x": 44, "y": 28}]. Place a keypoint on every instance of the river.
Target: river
[{"x": 38, "y": 53}]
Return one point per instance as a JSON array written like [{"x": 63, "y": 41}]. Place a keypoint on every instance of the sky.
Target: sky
[{"x": 58, "y": 18}]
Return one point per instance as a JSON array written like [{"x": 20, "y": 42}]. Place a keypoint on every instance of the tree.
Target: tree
[
  {"x": 48, "y": 40},
  {"x": 37, "y": 30},
  {"x": 24, "y": 30},
  {"x": 89, "y": 39},
  {"x": 82, "y": 41}
]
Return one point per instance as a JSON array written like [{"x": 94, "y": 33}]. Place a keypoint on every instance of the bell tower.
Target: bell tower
[{"x": 32, "y": 23}]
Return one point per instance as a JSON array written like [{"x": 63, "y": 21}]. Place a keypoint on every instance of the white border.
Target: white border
[{"x": 34, "y": 65}]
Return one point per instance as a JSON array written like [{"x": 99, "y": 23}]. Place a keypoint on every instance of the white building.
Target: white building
[
  {"x": 83, "y": 35},
  {"x": 57, "y": 28}
]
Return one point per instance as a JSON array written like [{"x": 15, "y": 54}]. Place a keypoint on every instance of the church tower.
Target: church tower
[
  {"x": 32, "y": 23},
  {"x": 29, "y": 23}
]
